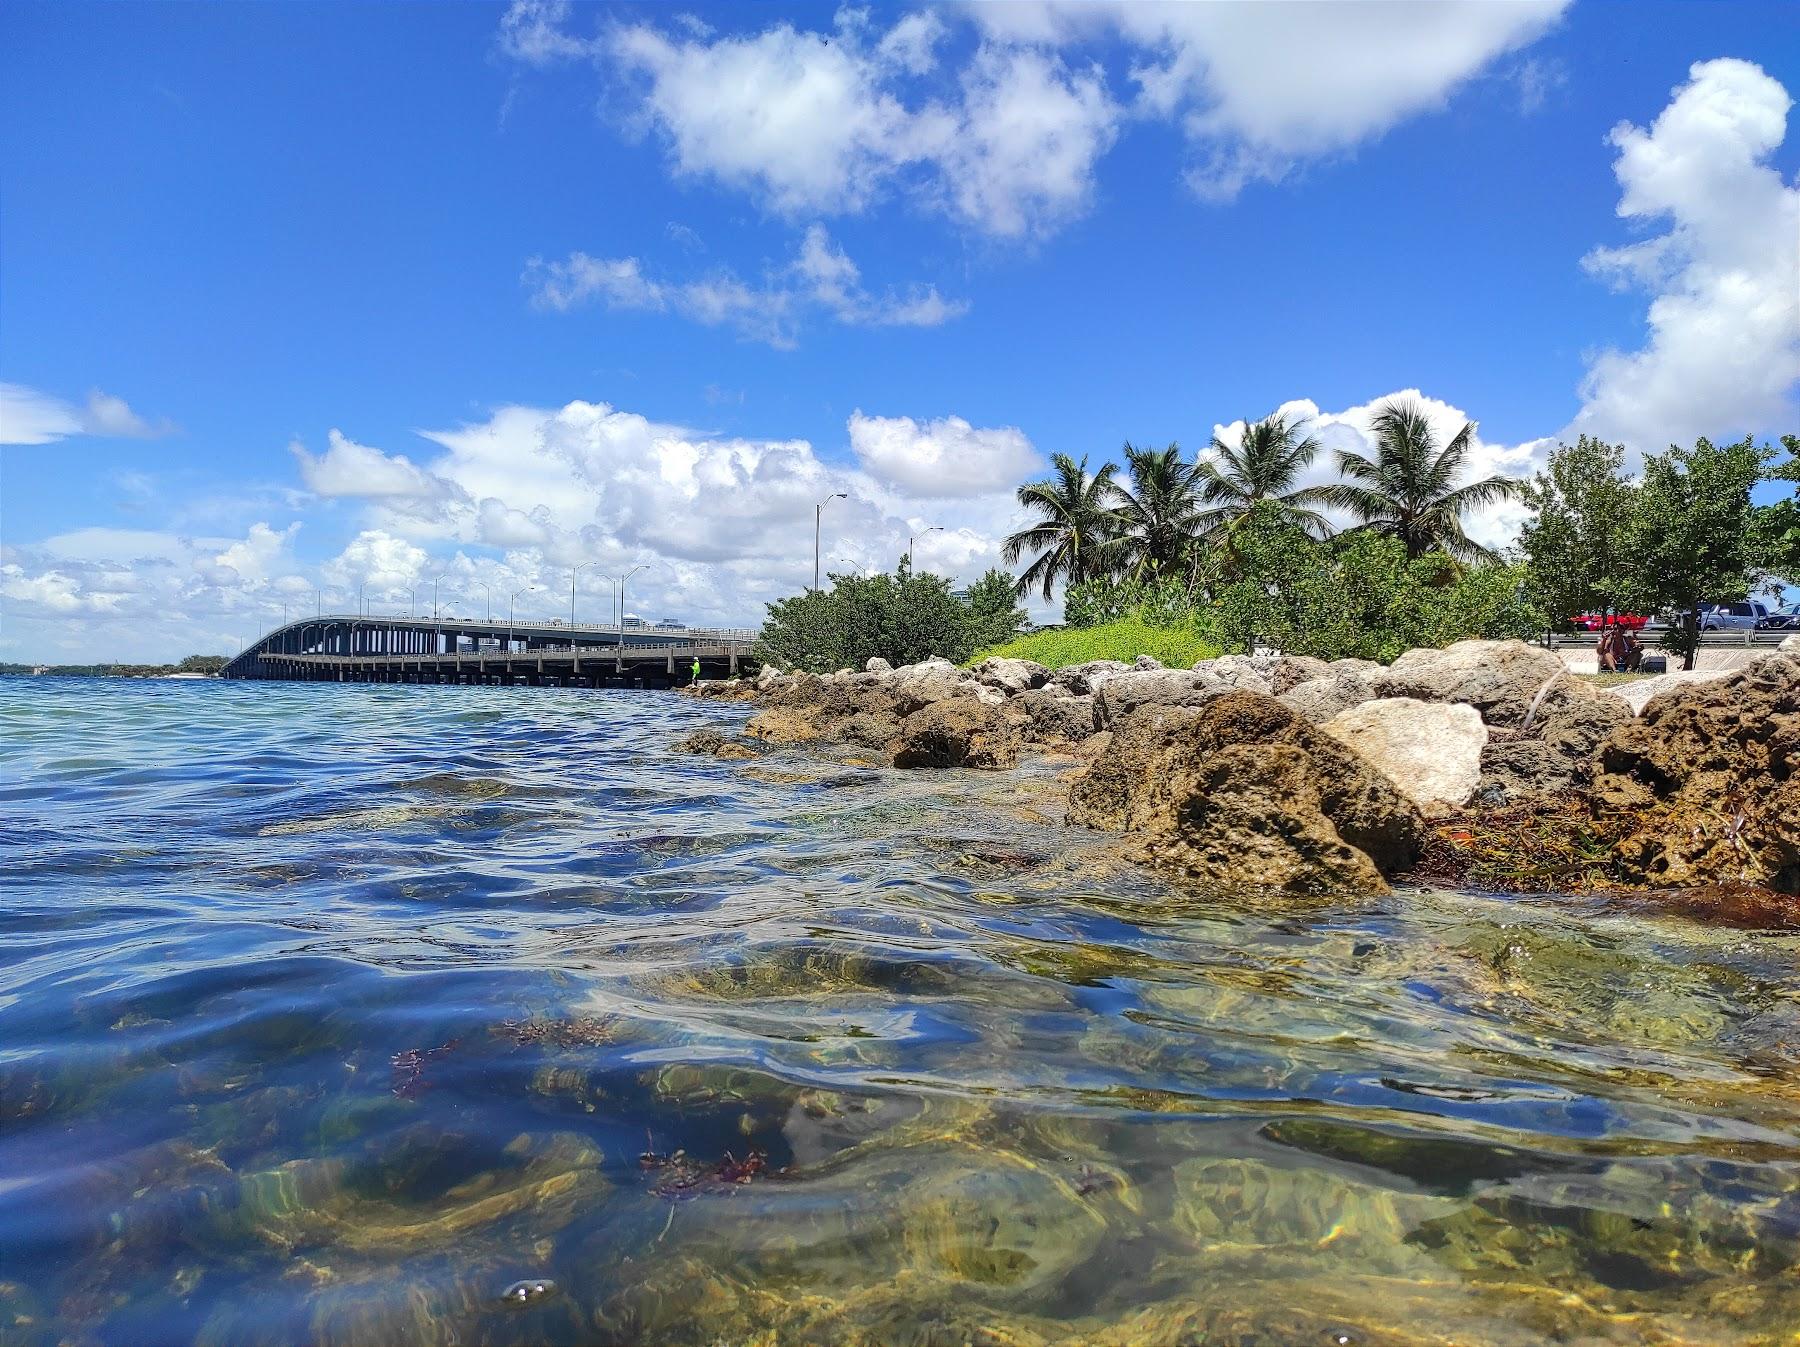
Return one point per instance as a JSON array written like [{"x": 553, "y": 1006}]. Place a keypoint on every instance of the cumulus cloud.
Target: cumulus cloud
[
  {"x": 813, "y": 122},
  {"x": 822, "y": 278},
  {"x": 347, "y": 468},
  {"x": 28, "y": 416},
  {"x": 1723, "y": 348},
  {"x": 944, "y": 458}
]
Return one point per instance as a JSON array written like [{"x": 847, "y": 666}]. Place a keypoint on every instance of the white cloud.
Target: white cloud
[
  {"x": 28, "y": 416},
  {"x": 821, "y": 278},
  {"x": 813, "y": 122},
  {"x": 261, "y": 553},
  {"x": 347, "y": 468},
  {"x": 1257, "y": 88},
  {"x": 1723, "y": 351},
  {"x": 943, "y": 458}
]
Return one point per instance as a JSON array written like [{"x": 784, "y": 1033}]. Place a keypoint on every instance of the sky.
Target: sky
[{"x": 306, "y": 305}]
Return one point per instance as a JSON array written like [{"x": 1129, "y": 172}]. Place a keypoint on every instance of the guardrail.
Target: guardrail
[{"x": 1731, "y": 640}]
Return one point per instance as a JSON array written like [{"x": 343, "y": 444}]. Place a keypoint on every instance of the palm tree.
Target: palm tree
[
  {"x": 1075, "y": 529},
  {"x": 1409, "y": 490},
  {"x": 1157, "y": 512},
  {"x": 1259, "y": 470}
]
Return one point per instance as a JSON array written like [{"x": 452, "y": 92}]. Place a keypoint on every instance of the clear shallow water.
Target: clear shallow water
[{"x": 393, "y": 1014}]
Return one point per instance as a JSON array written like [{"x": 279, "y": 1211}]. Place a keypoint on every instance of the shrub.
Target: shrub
[
  {"x": 1122, "y": 639},
  {"x": 903, "y": 618}
]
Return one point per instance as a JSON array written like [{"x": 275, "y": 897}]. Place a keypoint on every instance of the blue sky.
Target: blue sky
[{"x": 653, "y": 281}]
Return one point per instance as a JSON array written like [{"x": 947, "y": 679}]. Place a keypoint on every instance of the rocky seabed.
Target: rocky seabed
[{"x": 1295, "y": 774}]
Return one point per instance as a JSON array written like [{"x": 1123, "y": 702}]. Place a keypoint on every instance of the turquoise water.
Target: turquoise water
[{"x": 467, "y": 1015}]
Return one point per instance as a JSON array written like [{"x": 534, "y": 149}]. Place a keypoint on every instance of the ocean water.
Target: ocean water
[{"x": 372, "y": 1015}]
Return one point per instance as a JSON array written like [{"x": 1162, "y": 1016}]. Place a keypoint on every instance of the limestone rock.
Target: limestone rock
[
  {"x": 1011, "y": 675},
  {"x": 914, "y": 686},
  {"x": 1554, "y": 754},
  {"x": 1147, "y": 662},
  {"x": 1247, "y": 673},
  {"x": 1054, "y": 717},
  {"x": 783, "y": 725},
  {"x": 1082, "y": 679},
  {"x": 715, "y": 742},
  {"x": 1124, "y": 692},
  {"x": 872, "y": 729},
  {"x": 1242, "y": 792},
  {"x": 1639, "y": 693},
  {"x": 877, "y": 665},
  {"x": 1498, "y": 678},
  {"x": 955, "y": 732},
  {"x": 1710, "y": 774},
  {"x": 1431, "y": 751},
  {"x": 1790, "y": 646},
  {"x": 1319, "y": 699}
]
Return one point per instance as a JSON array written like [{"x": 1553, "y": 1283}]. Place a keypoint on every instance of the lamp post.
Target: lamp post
[
  {"x": 434, "y": 596},
  {"x": 360, "y": 586},
  {"x": 486, "y": 589},
  {"x": 913, "y": 539},
  {"x": 818, "y": 515},
  {"x": 622, "y": 579},
  {"x": 412, "y": 601},
  {"x": 576, "y": 571},
  {"x": 509, "y": 614}
]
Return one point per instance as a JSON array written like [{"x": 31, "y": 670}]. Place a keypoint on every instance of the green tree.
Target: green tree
[
  {"x": 1409, "y": 489},
  {"x": 994, "y": 616},
  {"x": 1075, "y": 526},
  {"x": 205, "y": 664},
  {"x": 1690, "y": 536},
  {"x": 1577, "y": 542},
  {"x": 1157, "y": 514},
  {"x": 1260, "y": 469},
  {"x": 1776, "y": 526}
]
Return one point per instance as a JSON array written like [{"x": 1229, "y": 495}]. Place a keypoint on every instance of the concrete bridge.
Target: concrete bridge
[{"x": 345, "y": 648}]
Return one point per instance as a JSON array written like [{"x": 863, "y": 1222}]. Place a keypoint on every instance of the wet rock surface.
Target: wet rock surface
[{"x": 1242, "y": 792}]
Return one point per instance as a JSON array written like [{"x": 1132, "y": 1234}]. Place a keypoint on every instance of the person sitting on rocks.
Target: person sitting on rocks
[{"x": 1630, "y": 652}]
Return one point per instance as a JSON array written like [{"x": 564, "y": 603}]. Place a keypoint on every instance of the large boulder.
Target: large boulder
[
  {"x": 1553, "y": 754},
  {"x": 956, "y": 732},
  {"x": 1500, "y": 679},
  {"x": 872, "y": 729},
  {"x": 1431, "y": 751},
  {"x": 1343, "y": 684},
  {"x": 1125, "y": 691},
  {"x": 1242, "y": 792},
  {"x": 1052, "y": 716},
  {"x": 1011, "y": 675},
  {"x": 914, "y": 686},
  {"x": 1708, "y": 777},
  {"x": 1082, "y": 679},
  {"x": 1639, "y": 693},
  {"x": 877, "y": 665},
  {"x": 784, "y": 725},
  {"x": 1790, "y": 646}
]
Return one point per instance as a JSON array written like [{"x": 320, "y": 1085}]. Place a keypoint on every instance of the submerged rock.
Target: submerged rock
[
  {"x": 1431, "y": 751},
  {"x": 715, "y": 742},
  {"x": 1241, "y": 792},
  {"x": 1710, "y": 777}
]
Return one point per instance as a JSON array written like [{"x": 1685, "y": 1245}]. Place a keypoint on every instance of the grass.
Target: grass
[{"x": 1125, "y": 639}]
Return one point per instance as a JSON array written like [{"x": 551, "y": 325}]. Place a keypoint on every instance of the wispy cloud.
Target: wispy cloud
[{"x": 29, "y": 416}]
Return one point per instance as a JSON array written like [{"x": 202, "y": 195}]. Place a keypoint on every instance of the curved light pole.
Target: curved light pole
[
  {"x": 434, "y": 595},
  {"x": 912, "y": 539},
  {"x": 576, "y": 571},
  {"x": 488, "y": 590},
  {"x": 412, "y": 601},
  {"x": 819, "y": 514},
  {"x": 622, "y": 579},
  {"x": 360, "y": 586},
  {"x": 509, "y": 616}
]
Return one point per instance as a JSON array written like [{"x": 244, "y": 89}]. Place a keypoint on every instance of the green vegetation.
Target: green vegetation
[
  {"x": 902, "y": 618},
  {"x": 1123, "y": 638},
  {"x": 203, "y": 664}
]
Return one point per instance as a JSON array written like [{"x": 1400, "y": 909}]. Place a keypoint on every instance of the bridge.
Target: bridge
[{"x": 370, "y": 648}]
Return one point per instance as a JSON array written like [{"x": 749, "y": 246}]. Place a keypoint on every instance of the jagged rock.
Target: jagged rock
[
  {"x": 767, "y": 674},
  {"x": 955, "y": 732},
  {"x": 716, "y": 742},
  {"x": 1054, "y": 717},
  {"x": 1123, "y": 692},
  {"x": 1431, "y": 751},
  {"x": 1710, "y": 775},
  {"x": 914, "y": 686},
  {"x": 1554, "y": 754},
  {"x": 783, "y": 725},
  {"x": 1147, "y": 662},
  {"x": 873, "y": 729},
  {"x": 1790, "y": 646},
  {"x": 1242, "y": 792},
  {"x": 1498, "y": 678},
  {"x": 1246, "y": 673},
  {"x": 1011, "y": 675},
  {"x": 877, "y": 665},
  {"x": 1639, "y": 693},
  {"x": 1082, "y": 679},
  {"x": 1344, "y": 684}
]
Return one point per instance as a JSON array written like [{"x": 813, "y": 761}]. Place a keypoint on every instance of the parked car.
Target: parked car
[
  {"x": 1781, "y": 619},
  {"x": 1745, "y": 616},
  {"x": 1596, "y": 621}
]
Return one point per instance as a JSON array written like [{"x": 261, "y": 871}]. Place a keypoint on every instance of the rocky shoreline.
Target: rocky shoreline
[{"x": 1484, "y": 763}]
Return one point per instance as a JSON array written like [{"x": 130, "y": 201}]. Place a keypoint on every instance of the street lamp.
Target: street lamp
[
  {"x": 622, "y": 579},
  {"x": 434, "y": 594},
  {"x": 509, "y": 614},
  {"x": 912, "y": 539},
  {"x": 360, "y": 585},
  {"x": 819, "y": 514},
  {"x": 412, "y": 601},
  {"x": 572, "y": 574},
  {"x": 490, "y": 597}
]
